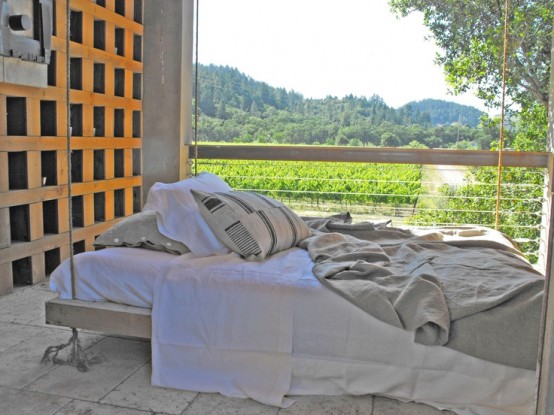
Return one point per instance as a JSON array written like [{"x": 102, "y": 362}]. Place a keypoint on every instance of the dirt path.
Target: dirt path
[{"x": 433, "y": 177}]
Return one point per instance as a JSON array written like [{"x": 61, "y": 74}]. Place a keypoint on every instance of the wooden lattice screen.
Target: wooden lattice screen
[{"x": 106, "y": 111}]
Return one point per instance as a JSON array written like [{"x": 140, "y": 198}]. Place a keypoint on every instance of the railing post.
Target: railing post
[
  {"x": 545, "y": 394},
  {"x": 543, "y": 254}
]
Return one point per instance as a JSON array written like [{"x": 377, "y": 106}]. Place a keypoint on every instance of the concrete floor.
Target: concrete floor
[{"x": 120, "y": 383}]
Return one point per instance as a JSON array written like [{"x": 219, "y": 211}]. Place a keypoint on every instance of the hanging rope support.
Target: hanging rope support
[
  {"x": 196, "y": 94},
  {"x": 502, "y": 120},
  {"x": 77, "y": 356}
]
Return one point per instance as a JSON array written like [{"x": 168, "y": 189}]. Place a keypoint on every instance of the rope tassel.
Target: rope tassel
[{"x": 77, "y": 356}]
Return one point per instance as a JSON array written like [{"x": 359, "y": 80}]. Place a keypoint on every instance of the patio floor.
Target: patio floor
[{"x": 120, "y": 383}]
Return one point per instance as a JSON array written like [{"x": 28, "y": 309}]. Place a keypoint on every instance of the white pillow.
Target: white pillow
[{"x": 178, "y": 214}]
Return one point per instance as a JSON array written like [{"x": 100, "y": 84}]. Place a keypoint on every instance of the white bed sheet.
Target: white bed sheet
[
  {"x": 121, "y": 275},
  {"x": 336, "y": 348}
]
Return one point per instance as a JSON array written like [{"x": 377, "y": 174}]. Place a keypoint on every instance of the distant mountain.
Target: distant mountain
[
  {"x": 234, "y": 107},
  {"x": 447, "y": 113}
]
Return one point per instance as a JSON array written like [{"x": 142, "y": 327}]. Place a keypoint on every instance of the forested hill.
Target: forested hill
[
  {"x": 444, "y": 112},
  {"x": 222, "y": 88},
  {"x": 233, "y": 107}
]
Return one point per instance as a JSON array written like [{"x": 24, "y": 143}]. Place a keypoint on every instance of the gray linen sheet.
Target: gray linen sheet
[{"x": 465, "y": 288}]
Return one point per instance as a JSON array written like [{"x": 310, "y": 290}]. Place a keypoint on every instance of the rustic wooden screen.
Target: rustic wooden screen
[{"x": 106, "y": 116}]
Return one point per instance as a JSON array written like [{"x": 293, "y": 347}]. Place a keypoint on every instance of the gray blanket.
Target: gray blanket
[{"x": 465, "y": 288}]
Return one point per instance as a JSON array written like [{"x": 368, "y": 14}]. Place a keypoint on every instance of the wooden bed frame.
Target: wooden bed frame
[{"x": 102, "y": 316}]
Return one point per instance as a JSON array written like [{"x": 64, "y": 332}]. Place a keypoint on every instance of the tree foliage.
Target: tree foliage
[{"x": 470, "y": 35}]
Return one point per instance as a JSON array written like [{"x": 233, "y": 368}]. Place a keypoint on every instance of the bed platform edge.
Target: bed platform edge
[{"x": 105, "y": 317}]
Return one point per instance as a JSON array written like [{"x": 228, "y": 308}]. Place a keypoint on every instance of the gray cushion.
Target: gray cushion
[
  {"x": 140, "y": 231},
  {"x": 251, "y": 224}
]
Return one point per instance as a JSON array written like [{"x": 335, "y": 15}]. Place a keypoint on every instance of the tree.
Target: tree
[
  {"x": 389, "y": 139},
  {"x": 341, "y": 140},
  {"x": 470, "y": 35}
]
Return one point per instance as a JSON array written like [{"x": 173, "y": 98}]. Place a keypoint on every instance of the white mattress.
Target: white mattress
[{"x": 336, "y": 347}]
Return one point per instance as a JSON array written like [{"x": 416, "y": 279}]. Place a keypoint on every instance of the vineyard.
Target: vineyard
[{"x": 318, "y": 186}]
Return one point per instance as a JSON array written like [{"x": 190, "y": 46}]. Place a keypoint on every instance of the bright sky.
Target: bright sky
[{"x": 325, "y": 47}]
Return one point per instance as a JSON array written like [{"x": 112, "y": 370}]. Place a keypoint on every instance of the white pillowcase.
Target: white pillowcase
[{"x": 178, "y": 214}]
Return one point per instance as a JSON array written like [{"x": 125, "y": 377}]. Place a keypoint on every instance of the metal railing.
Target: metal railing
[{"x": 413, "y": 187}]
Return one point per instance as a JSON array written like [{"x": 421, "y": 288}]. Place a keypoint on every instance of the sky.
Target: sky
[{"x": 326, "y": 47}]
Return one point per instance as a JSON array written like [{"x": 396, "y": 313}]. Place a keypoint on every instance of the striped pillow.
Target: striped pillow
[{"x": 251, "y": 224}]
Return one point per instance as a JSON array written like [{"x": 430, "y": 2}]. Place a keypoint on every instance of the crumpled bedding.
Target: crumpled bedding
[{"x": 465, "y": 288}]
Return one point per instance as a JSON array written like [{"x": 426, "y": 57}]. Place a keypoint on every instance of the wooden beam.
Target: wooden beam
[
  {"x": 373, "y": 155},
  {"x": 106, "y": 317}
]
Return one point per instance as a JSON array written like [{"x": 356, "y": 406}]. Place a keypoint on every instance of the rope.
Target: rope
[
  {"x": 68, "y": 144},
  {"x": 502, "y": 120},
  {"x": 77, "y": 356},
  {"x": 196, "y": 95}
]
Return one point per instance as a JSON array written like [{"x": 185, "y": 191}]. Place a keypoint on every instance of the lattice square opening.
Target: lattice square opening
[
  {"x": 76, "y": 120},
  {"x": 137, "y": 48},
  {"x": 51, "y": 69},
  {"x": 48, "y": 118},
  {"x": 20, "y": 230},
  {"x": 100, "y": 34},
  {"x": 119, "y": 202},
  {"x": 77, "y": 166},
  {"x": 137, "y": 167},
  {"x": 79, "y": 247},
  {"x": 99, "y": 207},
  {"x": 76, "y": 26},
  {"x": 99, "y": 119},
  {"x": 137, "y": 199},
  {"x": 77, "y": 211},
  {"x": 76, "y": 73},
  {"x": 16, "y": 112},
  {"x": 120, "y": 42},
  {"x": 17, "y": 170},
  {"x": 52, "y": 259},
  {"x": 120, "y": 7},
  {"x": 49, "y": 168},
  {"x": 99, "y": 78},
  {"x": 50, "y": 216},
  {"x": 136, "y": 124},
  {"x": 119, "y": 82},
  {"x": 99, "y": 165},
  {"x": 138, "y": 11},
  {"x": 119, "y": 163},
  {"x": 22, "y": 271},
  {"x": 118, "y": 122},
  {"x": 137, "y": 86}
]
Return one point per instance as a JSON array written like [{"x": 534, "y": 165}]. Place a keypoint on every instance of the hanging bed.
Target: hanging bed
[{"x": 240, "y": 296}]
